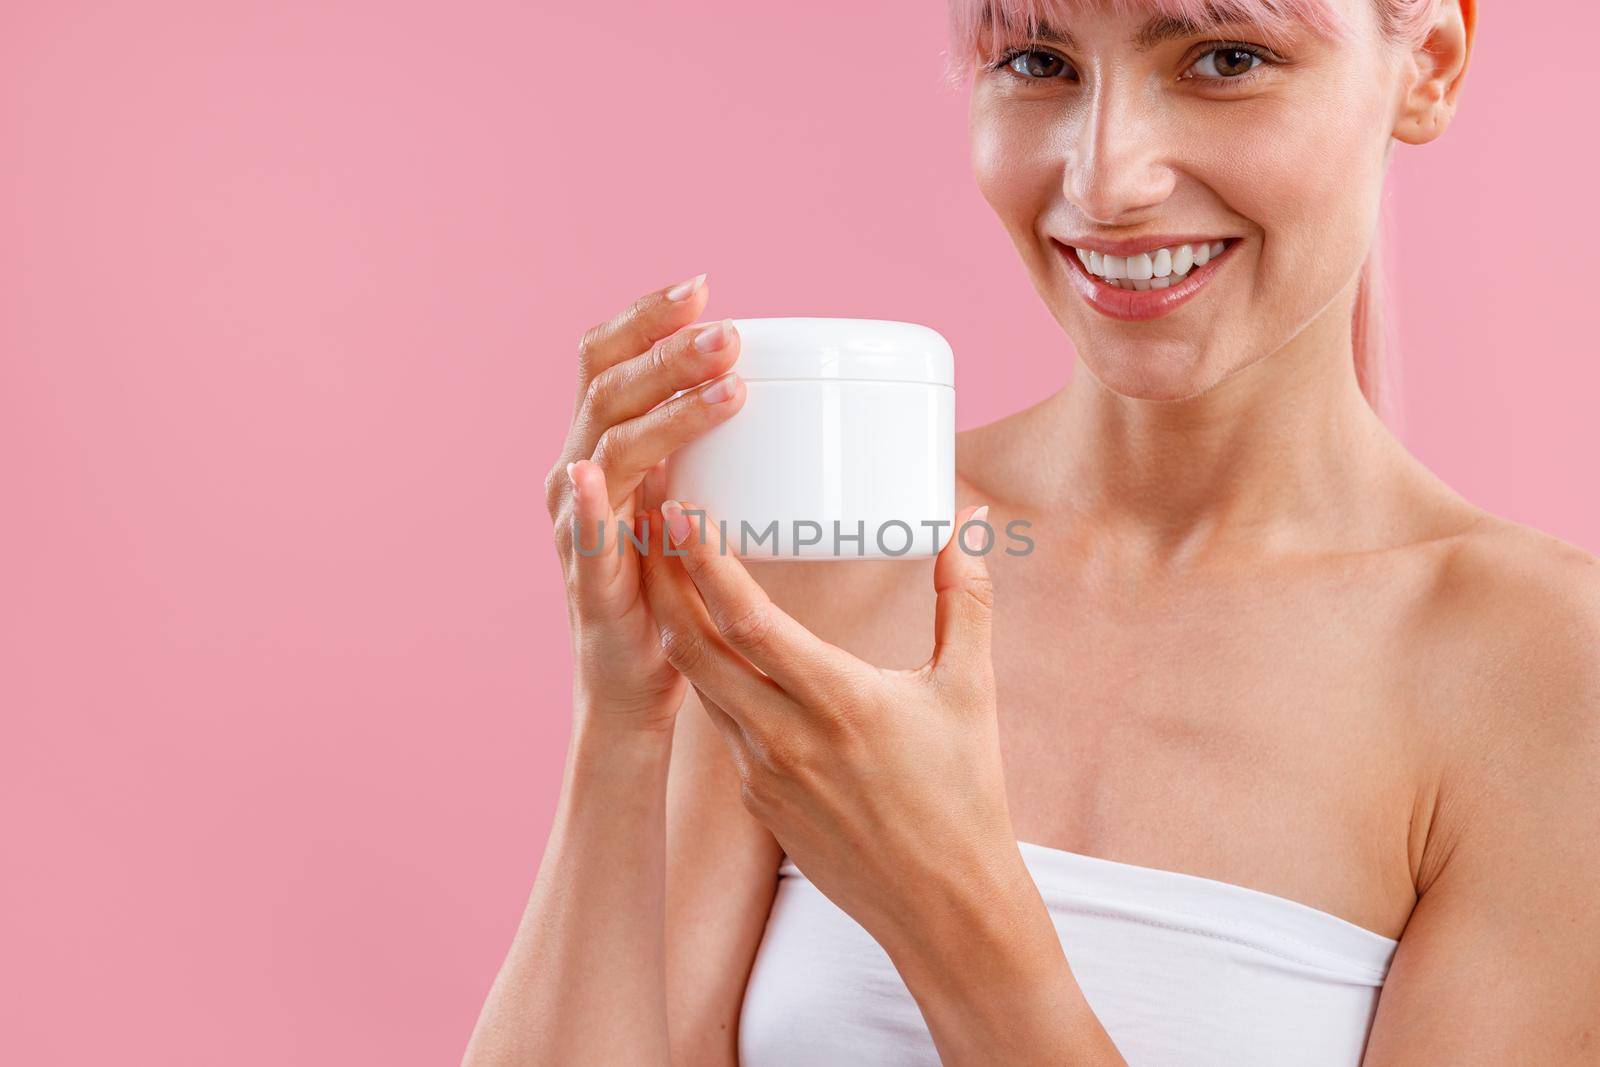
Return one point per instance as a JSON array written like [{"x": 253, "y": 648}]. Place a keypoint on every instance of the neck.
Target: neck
[{"x": 1281, "y": 455}]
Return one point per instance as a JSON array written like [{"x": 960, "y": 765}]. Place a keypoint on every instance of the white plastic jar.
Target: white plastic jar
[{"x": 845, "y": 446}]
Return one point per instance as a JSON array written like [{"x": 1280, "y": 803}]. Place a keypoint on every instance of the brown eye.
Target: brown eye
[
  {"x": 1227, "y": 62},
  {"x": 1036, "y": 64}
]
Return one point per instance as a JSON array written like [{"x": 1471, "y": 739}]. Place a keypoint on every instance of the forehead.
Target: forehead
[{"x": 975, "y": 23}]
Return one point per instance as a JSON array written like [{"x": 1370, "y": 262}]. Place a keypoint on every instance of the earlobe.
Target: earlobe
[{"x": 1439, "y": 66}]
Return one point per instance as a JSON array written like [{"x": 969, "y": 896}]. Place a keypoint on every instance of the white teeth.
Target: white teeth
[
  {"x": 1157, "y": 269},
  {"x": 1182, "y": 260}
]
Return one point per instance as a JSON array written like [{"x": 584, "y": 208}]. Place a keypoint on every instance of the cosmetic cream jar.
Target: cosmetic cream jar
[{"x": 844, "y": 448}]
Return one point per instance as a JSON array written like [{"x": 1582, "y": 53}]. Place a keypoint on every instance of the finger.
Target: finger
[
  {"x": 688, "y": 358},
  {"x": 595, "y": 561},
  {"x": 964, "y": 612},
  {"x": 654, "y": 487},
  {"x": 695, "y": 649},
  {"x": 624, "y": 336},
  {"x": 632, "y": 449},
  {"x": 738, "y": 741},
  {"x": 807, "y": 667},
  {"x": 638, "y": 326}
]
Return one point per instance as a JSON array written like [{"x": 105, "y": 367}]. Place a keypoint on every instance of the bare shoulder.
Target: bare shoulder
[
  {"x": 1500, "y": 959},
  {"x": 1530, "y": 603},
  {"x": 1519, "y": 550},
  {"x": 1515, "y": 618},
  {"x": 874, "y": 609},
  {"x": 1009, "y": 462}
]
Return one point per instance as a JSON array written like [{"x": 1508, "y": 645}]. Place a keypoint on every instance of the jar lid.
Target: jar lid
[{"x": 806, "y": 348}]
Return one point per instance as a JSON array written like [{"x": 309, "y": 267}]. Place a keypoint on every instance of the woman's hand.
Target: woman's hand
[
  {"x": 884, "y": 786},
  {"x": 623, "y": 427}
]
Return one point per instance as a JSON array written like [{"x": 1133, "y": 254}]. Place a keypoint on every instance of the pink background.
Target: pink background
[{"x": 289, "y": 294}]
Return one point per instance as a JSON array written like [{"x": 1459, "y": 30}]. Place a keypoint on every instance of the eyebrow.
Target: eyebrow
[
  {"x": 1175, "y": 27},
  {"x": 1047, "y": 32}
]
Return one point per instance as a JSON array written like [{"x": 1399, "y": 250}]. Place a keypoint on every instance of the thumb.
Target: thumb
[{"x": 964, "y": 613}]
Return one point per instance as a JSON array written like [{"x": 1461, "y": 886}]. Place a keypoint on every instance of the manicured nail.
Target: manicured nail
[
  {"x": 980, "y": 515},
  {"x": 712, "y": 337},
  {"x": 683, "y": 290},
  {"x": 570, "y": 478},
  {"x": 719, "y": 390},
  {"x": 677, "y": 521}
]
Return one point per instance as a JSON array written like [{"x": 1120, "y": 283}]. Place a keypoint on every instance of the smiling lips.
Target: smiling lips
[{"x": 1147, "y": 283}]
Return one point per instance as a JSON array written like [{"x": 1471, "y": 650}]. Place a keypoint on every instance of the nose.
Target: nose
[{"x": 1118, "y": 160}]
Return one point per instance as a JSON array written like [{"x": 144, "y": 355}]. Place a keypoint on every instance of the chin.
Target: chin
[{"x": 1151, "y": 372}]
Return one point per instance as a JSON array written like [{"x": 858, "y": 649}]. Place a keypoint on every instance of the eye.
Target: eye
[
  {"x": 1032, "y": 64},
  {"x": 1227, "y": 61}
]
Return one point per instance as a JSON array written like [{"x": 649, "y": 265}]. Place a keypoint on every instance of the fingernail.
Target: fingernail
[
  {"x": 677, "y": 521},
  {"x": 712, "y": 337},
  {"x": 683, "y": 290},
  {"x": 570, "y": 478},
  {"x": 719, "y": 390},
  {"x": 981, "y": 514}
]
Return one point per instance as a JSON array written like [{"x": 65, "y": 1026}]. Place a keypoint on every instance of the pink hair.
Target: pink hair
[{"x": 980, "y": 28}]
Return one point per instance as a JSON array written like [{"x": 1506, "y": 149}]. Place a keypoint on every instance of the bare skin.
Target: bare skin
[
  {"x": 1391, "y": 705},
  {"x": 1257, "y": 642}
]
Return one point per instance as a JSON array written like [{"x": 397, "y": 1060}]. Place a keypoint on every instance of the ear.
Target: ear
[{"x": 1436, "y": 69}]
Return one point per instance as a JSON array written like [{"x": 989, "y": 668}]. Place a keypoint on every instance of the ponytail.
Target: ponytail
[{"x": 1369, "y": 330}]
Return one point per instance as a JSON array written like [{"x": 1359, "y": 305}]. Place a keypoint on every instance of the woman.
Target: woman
[{"x": 1299, "y": 746}]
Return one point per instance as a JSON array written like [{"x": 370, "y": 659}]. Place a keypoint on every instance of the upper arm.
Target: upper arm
[
  {"x": 1500, "y": 961},
  {"x": 721, "y": 876}
]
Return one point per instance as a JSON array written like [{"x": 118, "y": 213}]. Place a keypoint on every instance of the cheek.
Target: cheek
[
  {"x": 1309, "y": 172},
  {"x": 1012, "y": 162}
]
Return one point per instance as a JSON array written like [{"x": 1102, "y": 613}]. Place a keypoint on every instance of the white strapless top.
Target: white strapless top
[{"x": 1180, "y": 970}]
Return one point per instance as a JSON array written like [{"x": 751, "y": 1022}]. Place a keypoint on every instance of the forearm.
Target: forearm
[
  {"x": 988, "y": 971},
  {"x": 584, "y": 981}
]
